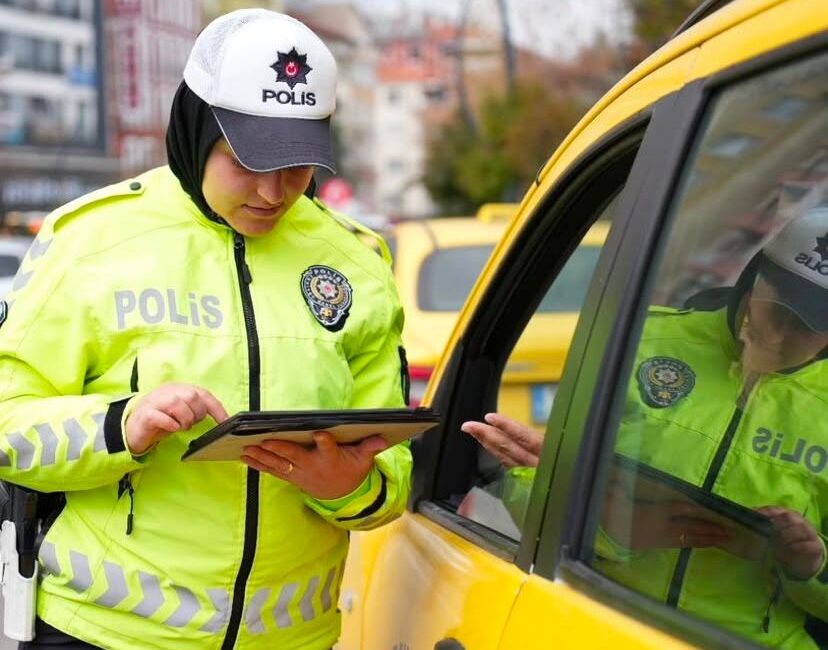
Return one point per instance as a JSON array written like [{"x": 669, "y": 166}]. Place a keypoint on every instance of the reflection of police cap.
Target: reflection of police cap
[
  {"x": 271, "y": 83},
  {"x": 795, "y": 261}
]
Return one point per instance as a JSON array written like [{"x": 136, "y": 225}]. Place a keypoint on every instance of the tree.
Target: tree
[
  {"x": 498, "y": 158},
  {"x": 656, "y": 20}
]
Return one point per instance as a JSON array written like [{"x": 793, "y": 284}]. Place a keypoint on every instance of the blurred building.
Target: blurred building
[
  {"x": 416, "y": 90},
  {"x": 349, "y": 38},
  {"x": 215, "y": 8},
  {"x": 147, "y": 46},
  {"x": 52, "y": 127}
]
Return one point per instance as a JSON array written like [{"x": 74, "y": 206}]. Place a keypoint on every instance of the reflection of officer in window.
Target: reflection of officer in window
[
  {"x": 730, "y": 395},
  {"x": 733, "y": 400}
]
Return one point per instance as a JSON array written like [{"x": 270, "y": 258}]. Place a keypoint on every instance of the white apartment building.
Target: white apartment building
[
  {"x": 400, "y": 135},
  {"x": 52, "y": 132}
]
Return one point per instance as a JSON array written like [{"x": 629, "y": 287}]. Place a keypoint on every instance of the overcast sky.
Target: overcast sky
[{"x": 554, "y": 27}]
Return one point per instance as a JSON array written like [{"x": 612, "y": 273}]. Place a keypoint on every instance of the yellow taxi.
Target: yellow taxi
[
  {"x": 436, "y": 263},
  {"x": 696, "y": 159}
]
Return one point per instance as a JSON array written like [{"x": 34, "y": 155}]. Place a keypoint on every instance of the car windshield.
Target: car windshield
[
  {"x": 448, "y": 274},
  {"x": 8, "y": 265}
]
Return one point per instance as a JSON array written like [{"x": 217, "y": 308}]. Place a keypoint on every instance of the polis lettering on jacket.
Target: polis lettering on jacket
[
  {"x": 289, "y": 97},
  {"x": 154, "y": 306},
  {"x": 799, "y": 451}
]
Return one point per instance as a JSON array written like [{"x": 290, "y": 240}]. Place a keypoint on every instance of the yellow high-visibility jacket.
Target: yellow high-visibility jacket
[{"x": 131, "y": 287}]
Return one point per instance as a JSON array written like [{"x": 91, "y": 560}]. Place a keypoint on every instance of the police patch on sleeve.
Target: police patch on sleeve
[
  {"x": 328, "y": 294},
  {"x": 4, "y": 312},
  {"x": 664, "y": 381}
]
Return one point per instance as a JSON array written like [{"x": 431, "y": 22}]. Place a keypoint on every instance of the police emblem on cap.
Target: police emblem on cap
[
  {"x": 292, "y": 68},
  {"x": 664, "y": 381},
  {"x": 328, "y": 294},
  {"x": 4, "y": 311}
]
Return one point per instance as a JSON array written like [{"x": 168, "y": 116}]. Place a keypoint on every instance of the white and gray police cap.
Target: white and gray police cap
[
  {"x": 271, "y": 83},
  {"x": 795, "y": 261}
]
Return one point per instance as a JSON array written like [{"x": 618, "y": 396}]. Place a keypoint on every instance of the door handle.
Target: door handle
[{"x": 449, "y": 644}]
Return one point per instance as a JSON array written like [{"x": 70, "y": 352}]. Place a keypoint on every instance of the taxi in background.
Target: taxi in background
[
  {"x": 696, "y": 158},
  {"x": 436, "y": 263}
]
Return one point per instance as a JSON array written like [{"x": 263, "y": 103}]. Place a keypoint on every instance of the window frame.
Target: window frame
[
  {"x": 460, "y": 395},
  {"x": 591, "y": 419}
]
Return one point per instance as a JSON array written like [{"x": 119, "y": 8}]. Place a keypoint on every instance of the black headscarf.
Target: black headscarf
[{"x": 191, "y": 134}]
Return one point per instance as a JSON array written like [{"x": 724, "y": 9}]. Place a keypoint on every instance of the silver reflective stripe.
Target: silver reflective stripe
[
  {"x": 38, "y": 248},
  {"x": 253, "y": 616},
  {"x": 48, "y": 440},
  {"x": 48, "y": 558},
  {"x": 306, "y": 604},
  {"x": 5, "y": 461},
  {"x": 280, "y": 613},
  {"x": 221, "y": 601},
  {"x": 100, "y": 440},
  {"x": 21, "y": 280},
  {"x": 117, "y": 590},
  {"x": 326, "y": 590},
  {"x": 186, "y": 610},
  {"x": 24, "y": 448},
  {"x": 77, "y": 436},
  {"x": 368, "y": 521},
  {"x": 153, "y": 598},
  {"x": 81, "y": 575}
]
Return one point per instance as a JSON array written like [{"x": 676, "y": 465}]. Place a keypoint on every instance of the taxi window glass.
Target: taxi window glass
[
  {"x": 714, "y": 497},
  {"x": 8, "y": 265},
  {"x": 569, "y": 289},
  {"x": 526, "y": 392},
  {"x": 448, "y": 275}
]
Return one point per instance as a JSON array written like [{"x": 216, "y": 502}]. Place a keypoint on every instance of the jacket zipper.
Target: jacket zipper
[
  {"x": 677, "y": 581},
  {"x": 125, "y": 484},
  {"x": 251, "y": 520}
]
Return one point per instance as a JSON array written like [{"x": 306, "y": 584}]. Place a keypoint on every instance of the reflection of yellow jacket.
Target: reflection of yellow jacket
[
  {"x": 683, "y": 416},
  {"x": 131, "y": 287}
]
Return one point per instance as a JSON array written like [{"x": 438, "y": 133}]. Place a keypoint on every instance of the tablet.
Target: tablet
[
  {"x": 749, "y": 530},
  {"x": 228, "y": 440}
]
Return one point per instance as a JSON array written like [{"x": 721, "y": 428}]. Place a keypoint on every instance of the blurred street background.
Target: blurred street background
[{"x": 443, "y": 104}]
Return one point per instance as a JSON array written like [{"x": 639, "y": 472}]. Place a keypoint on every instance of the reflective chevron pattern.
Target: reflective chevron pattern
[
  {"x": 36, "y": 250},
  {"x": 78, "y": 438},
  {"x": 310, "y": 601}
]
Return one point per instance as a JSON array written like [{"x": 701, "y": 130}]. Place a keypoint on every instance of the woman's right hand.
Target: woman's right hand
[
  {"x": 513, "y": 443},
  {"x": 167, "y": 409}
]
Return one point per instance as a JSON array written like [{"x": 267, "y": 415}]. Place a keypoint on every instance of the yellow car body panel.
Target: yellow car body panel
[
  {"x": 420, "y": 554},
  {"x": 579, "y": 622},
  {"x": 416, "y": 582}
]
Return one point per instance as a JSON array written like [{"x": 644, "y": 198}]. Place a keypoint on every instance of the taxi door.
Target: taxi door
[{"x": 730, "y": 156}]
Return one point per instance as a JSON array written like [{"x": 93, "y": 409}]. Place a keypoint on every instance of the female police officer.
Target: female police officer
[{"x": 153, "y": 308}]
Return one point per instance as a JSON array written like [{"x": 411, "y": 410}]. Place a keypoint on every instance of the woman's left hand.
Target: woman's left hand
[
  {"x": 797, "y": 548},
  {"x": 326, "y": 470}
]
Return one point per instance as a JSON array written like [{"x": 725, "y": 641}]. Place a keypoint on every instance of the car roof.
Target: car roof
[{"x": 453, "y": 231}]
